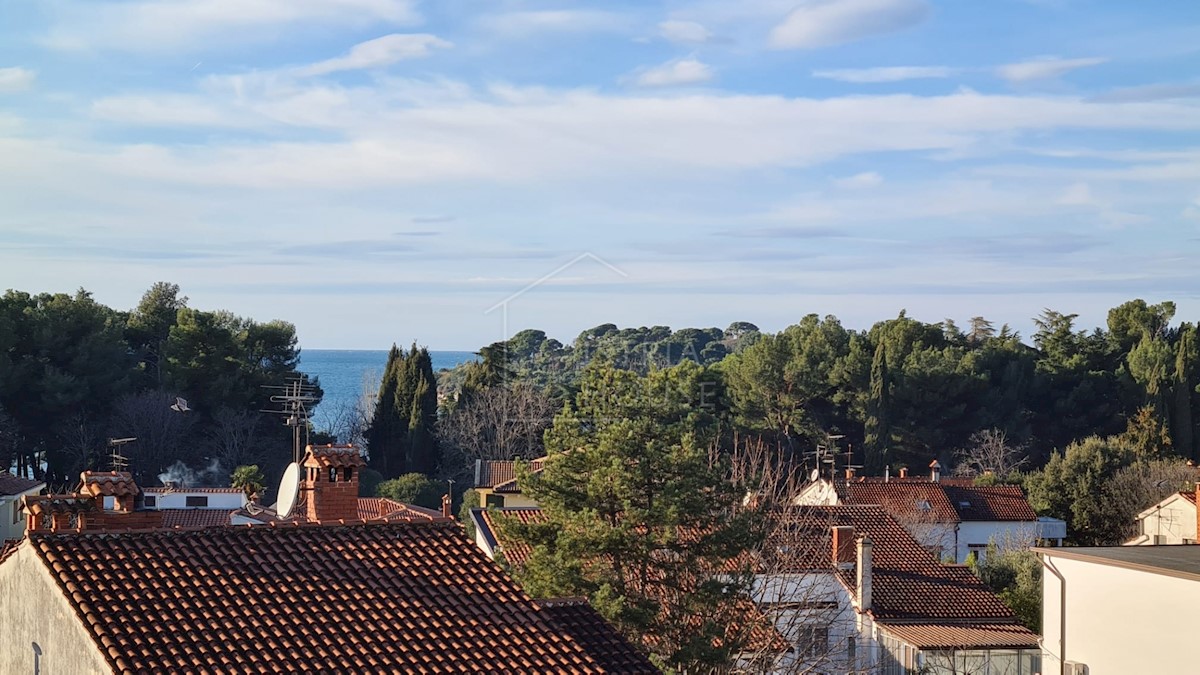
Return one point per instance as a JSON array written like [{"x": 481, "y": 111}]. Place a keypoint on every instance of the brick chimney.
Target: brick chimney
[
  {"x": 843, "y": 547},
  {"x": 904, "y": 472},
  {"x": 935, "y": 471},
  {"x": 849, "y": 473},
  {"x": 330, "y": 485},
  {"x": 864, "y": 573},
  {"x": 447, "y": 505}
]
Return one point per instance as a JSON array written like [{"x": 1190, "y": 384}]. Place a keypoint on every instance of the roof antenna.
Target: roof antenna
[
  {"x": 297, "y": 398},
  {"x": 117, "y": 461}
]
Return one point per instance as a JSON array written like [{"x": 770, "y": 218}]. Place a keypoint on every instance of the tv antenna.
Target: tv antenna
[
  {"x": 117, "y": 461},
  {"x": 296, "y": 401}
]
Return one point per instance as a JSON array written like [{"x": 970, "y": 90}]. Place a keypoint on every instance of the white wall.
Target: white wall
[
  {"x": 34, "y": 611},
  {"x": 9, "y": 529},
  {"x": 784, "y": 598},
  {"x": 1118, "y": 621},
  {"x": 1174, "y": 521},
  {"x": 1005, "y": 534},
  {"x": 216, "y": 500}
]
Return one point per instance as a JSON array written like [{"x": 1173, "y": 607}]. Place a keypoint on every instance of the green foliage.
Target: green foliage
[
  {"x": 249, "y": 478},
  {"x": 402, "y": 436},
  {"x": 413, "y": 488},
  {"x": 368, "y": 482},
  {"x": 1016, "y": 576},
  {"x": 639, "y": 520},
  {"x": 470, "y": 500},
  {"x": 1071, "y": 487}
]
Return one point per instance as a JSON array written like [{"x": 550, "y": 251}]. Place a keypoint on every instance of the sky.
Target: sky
[{"x": 449, "y": 172}]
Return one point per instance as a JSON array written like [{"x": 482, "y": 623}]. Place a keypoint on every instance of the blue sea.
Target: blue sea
[{"x": 345, "y": 372}]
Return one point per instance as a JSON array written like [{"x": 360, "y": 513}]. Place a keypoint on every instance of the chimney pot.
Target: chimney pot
[
  {"x": 935, "y": 471},
  {"x": 904, "y": 472}
]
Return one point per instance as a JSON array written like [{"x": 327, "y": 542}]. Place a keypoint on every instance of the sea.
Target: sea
[{"x": 346, "y": 373}]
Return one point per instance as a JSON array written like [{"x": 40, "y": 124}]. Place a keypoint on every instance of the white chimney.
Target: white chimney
[
  {"x": 935, "y": 471},
  {"x": 864, "y": 574}
]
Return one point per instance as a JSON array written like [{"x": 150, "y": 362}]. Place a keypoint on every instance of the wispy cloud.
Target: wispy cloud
[
  {"x": 824, "y": 23},
  {"x": 152, "y": 25},
  {"x": 886, "y": 74},
  {"x": 672, "y": 73},
  {"x": 382, "y": 51},
  {"x": 688, "y": 32},
  {"x": 1150, "y": 92},
  {"x": 16, "y": 79},
  {"x": 1044, "y": 67},
  {"x": 867, "y": 179},
  {"x": 522, "y": 24}
]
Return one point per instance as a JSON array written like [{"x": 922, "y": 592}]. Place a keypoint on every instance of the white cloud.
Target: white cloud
[
  {"x": 682, "y": 71},
  {"x": 174, "y": 25},
  {"x": 1152, "y": 92},
  {"x": 823, "y": 23},
  {"x": 532, "y": 22},
  {"x": 1044, "y": 67},
  {"x": 1077, "y": 194},
  {"x": 684, "y": 31},
  {"x": 865, "y": 180},
  {"x": 888, "y": 74},
  {"x": 382, "y": 51},
  {"x": 16, "y": 79}
]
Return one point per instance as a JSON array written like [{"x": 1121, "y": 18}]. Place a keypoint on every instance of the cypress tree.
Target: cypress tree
[
  {"x": 1185, "y": 384},
  {"x": 877, "y": 427},
  {"x": 385, "y": 435},
  {"x": 422, "y": 421}
]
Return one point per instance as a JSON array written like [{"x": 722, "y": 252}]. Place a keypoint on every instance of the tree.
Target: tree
[
  {"x": 639, "y": 521},
  {"x": 498, "y": 423},
  {"x": 990, "y": 451},
  {"x": 249, "y": 478},
  {"x": 877, "y": 431},
  {"x": 150, "y": 325},
  {"x": 385, "y": 435},
  {"x": 1015, "y": 574},
  {"x": 1072, "y": 487},
  {"x": 413, "y": 488}
]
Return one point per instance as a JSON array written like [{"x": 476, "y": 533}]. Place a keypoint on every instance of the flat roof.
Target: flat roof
[{"x": 1177, "y": 560}]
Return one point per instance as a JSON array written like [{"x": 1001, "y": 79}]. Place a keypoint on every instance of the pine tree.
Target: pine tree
[
  {"x": 639, "y": 520},
  {"x": 877, "y": 428}
]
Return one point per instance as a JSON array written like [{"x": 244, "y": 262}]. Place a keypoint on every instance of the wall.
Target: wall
[
  {"x": 34, "y": 610},
  {"x": 8, "y": 529},
  {"x": 229, "y": 501},
  {"x": 1118, "y": 621},
  {"x": 1005, "y": 534},
  {"x": 794, "y": 601},
  {"x": 1175, "y": 521}
]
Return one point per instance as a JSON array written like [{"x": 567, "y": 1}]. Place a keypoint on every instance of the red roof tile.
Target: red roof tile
[
  {"x": 107, "y": 484},
  {"x": 595, "y": 635},
  {"x": 15, "y": 485},
  {"x": 374, "y": 597},
  {"x": 1190, "y": 495},
  {"x": 908, "y": 584},
  {"x": 516, "y": 553},
  {"x": 945, "y": 636},
  {"x": 501, "y": 475},
  {"x": 942, "y": 502},
  {"x": 200, "y": 490},
  {"x": 990, "y": 503},
  {"x": 375, "y": 508}
]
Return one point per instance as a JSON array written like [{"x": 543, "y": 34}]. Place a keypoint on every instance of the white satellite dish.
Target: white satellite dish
[
  {"x": 289, "y": 490},
  {"x": 812, "y": 477}
]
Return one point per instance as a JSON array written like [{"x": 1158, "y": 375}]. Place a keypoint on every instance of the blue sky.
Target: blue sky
[{"x": 388, "y": 170}]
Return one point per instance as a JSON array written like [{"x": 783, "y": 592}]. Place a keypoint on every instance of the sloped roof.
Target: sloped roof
[
  {"x": 200, "y": 490},
  {"x": 374, "y": 508},
  {"x": 15, "y": 485},
  {"x": 908, "y": 584},
  {"x": 577, "y": 618},
  {"x": 369, "y": 597},
  {"x": 947, "y": 636},
  {"x": 107, "y": 484},
  {"x": 501, "y": 475},
  {"x": 1189, "y": 495},
  {"x": 195, "y": 517},
  {"x": 941, "y": 502},
  {"x": 516, "y": 553}
]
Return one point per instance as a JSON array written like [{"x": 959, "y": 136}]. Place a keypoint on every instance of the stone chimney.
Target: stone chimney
[
  {"x": 904, "y": 472},
  {"x": 843, "y": 547},
  {"x": 330, "y": 484},
  {"x": 935, "y": 471},
  {"x": 864, "y": 573}
]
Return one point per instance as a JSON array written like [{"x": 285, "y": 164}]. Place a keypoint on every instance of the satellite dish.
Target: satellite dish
[
  {"x": 289, "y": 490},
  {"x": 812, "y": 477}
]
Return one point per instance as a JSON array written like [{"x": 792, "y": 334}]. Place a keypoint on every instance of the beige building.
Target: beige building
[
  {"x": 496, "y": 483},
  {"x": 1171, "y": 521},
  {"x": 1119, "y": 610}
]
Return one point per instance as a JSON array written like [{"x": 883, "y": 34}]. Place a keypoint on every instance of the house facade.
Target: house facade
[
  {"x": 496, "y": 483},
  {"x": 1119, "y": 609},
  {"x": 951, "y": 517},
  {"x": 1171, "y": 521},
  {"x": 13, "y": 490}
]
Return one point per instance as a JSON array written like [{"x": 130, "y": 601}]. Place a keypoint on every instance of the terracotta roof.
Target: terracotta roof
[
  {"x": 941, "y": 502},
  {"x": 577, "y": 618},
  {"x": 369, "y": 597},
  {"x": 944, "y": 636},
  {"x": 374, "y": 508},
  {"x": 339, "y": 456},
  {"x": 1189, "y": 495},
  {"x": 107, "y": 484},
  {"x": 908, "y": 584},
  {"x": 195, "y": 517},
  {"x": 501, "y": 475},
  {"x": 15, "y": 485},
  {"x": 202, "y": 490},
  {"x": 516, "y": 553},
  {"x": 8, "y": 547}
]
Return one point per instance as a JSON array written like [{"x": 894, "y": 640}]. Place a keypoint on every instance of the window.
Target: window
[
  {"x": 201, "y": 502},
  {"x": 494, "y": 500},
  {"x": 812, "y": 641},
  {"x": 333, "y": 474},
  {"x": 347, "y": 474},
  {"x": 150, "y": 501},
  {"x": 16, "y": 507}
]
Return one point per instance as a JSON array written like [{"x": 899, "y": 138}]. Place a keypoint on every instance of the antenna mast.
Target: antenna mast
[
  {"x": 296, "y": 400},
  {"x": 117, "y": 461}
]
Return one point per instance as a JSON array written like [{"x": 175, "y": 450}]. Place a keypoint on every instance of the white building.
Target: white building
[
  {"x": 951, "y": 517},
  {"x": 13, "y": 490},
  {"x": 1171, "y": 521},
  {"x": 1120, "y": 610}
]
